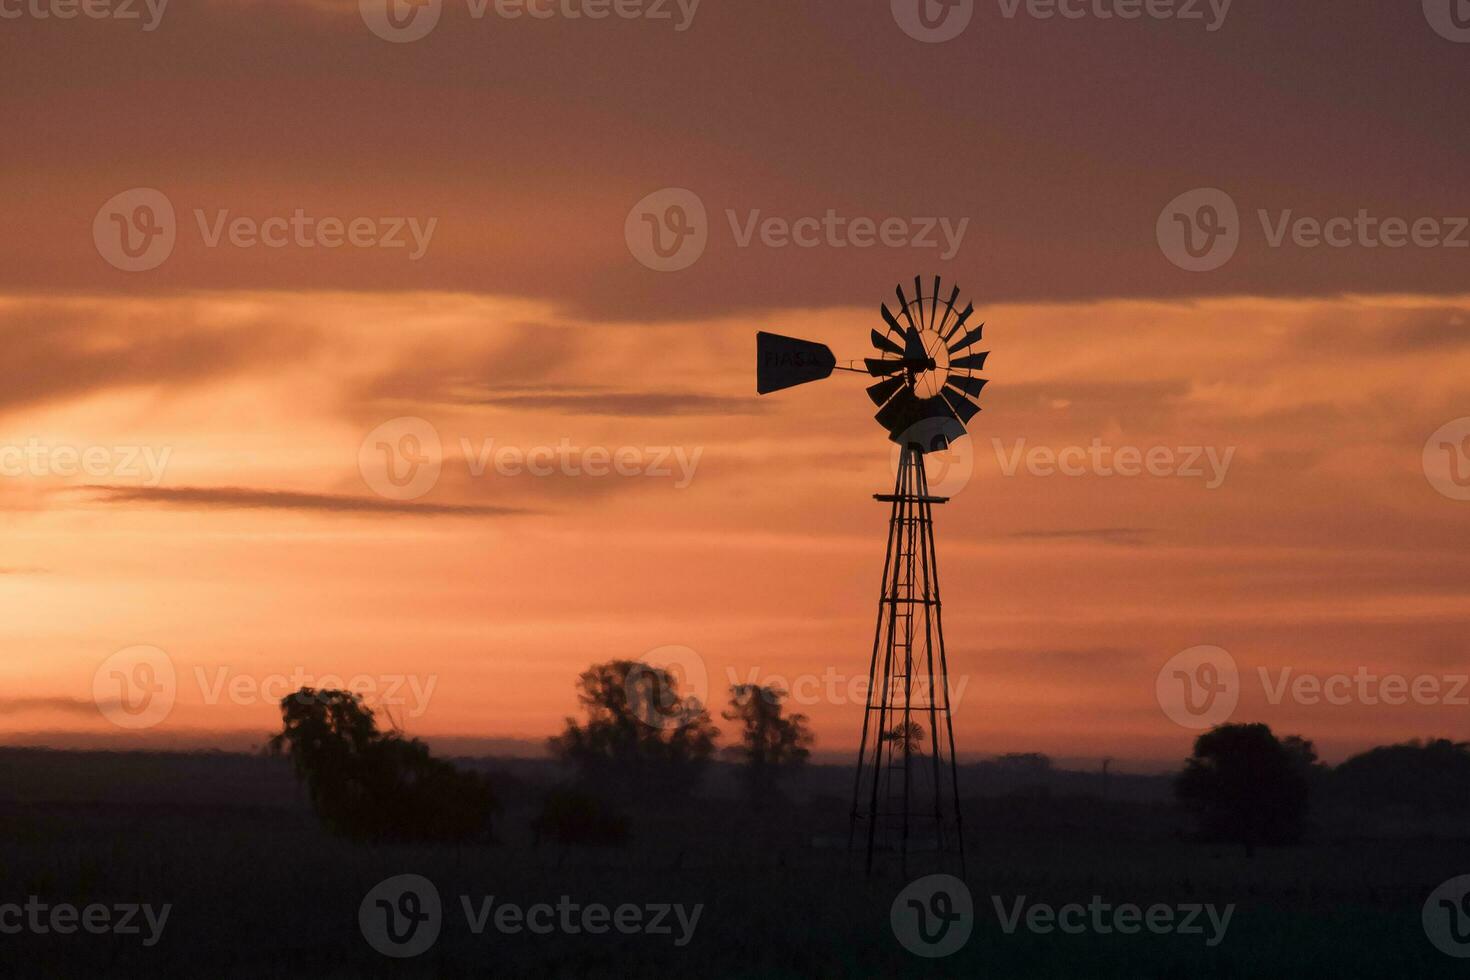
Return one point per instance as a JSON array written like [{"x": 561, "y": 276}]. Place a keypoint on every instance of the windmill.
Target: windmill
[{"x": 906, "y": 792}]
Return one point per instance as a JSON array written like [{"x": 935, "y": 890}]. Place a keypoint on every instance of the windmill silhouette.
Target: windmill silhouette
[{"x": 906, "y": 792}]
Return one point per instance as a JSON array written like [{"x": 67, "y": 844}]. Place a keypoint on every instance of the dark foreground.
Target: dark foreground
[{"x": 255, "y": 889}]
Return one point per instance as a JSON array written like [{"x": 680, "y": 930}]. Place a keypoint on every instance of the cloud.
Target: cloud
[
  {"x": 73, "y": 349},
  {"x": 246, "y": 498},
  {"x": 1131, "y": 537},
  {"x": 625, "y": 404},
  {"x": 70, "y": 706}
]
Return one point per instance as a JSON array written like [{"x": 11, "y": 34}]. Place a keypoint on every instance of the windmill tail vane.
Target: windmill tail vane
[{"x": 906, "y": 788}]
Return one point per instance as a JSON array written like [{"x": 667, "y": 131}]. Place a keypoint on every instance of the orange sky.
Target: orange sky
[
  {"x": 252, "y": 377},
  {"x": 262, "y": 551}
]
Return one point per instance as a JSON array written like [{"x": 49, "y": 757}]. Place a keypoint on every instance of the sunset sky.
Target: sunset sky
[{"x": 237, "y": 395}]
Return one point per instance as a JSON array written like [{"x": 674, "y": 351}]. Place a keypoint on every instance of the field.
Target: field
[{"x": 256, "y": 889}]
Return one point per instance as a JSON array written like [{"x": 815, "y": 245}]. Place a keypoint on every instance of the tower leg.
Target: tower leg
[{"x": 903, "y": 799}]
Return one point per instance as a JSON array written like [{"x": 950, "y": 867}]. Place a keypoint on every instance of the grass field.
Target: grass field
[{"x": 258, "y": 890}]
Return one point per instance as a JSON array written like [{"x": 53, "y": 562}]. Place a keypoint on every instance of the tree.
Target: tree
[
  {"x": 1245, "y": 785},
  {"x": 640, "y": 736},
  {"x": 367, "y": 784},
  {"x": 771, "y": 742},
  {"x": 907, "y": 738},
  {"x": 1429, "y": 778}
]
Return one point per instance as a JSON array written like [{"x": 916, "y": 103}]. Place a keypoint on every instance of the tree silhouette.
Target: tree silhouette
[
  {"x": 1246, "y": 786},
  {"x": 1431, "y": 778},
  {"x": 640, "y": 737},
  {"x": 770, "y": 741},
  {"x": 367, "y": 784},
  {"x": 906, "y": 738}
]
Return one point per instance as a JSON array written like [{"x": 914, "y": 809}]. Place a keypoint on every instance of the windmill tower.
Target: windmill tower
[{"x": 906, "y": 792}]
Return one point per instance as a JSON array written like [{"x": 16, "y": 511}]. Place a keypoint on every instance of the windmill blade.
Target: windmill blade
[
  {"x": 962, "y": 406},
  {"x": 960, "y": 323},
  {"x": 948, "y": 310},
  {"x": 926, "y": 424},
  {"x": 967, "y": 339},
  {"x": 913, "y": 346},
  {"x": 785, "y": 362},
  {"x": 972, "y": 386},
  {"x": 904, "y": 303},
  {"x": 884, "y": 343},
  {"x": 881, "y": 369},
  {"x": 884, "y": 390},
  {"x": 919, "y": 298},
  {"x": 934, "y": 307},
  {"x": 971, "y": 362},
  {"x": 901, "y": 412}
]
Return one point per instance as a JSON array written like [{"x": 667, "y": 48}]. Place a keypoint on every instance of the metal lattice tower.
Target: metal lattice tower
[{"x": 906, "y": 791}]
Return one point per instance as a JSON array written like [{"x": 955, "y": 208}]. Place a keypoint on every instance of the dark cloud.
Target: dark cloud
[
  {"x": 245, "y": 498},
  {"x": 1126, "y": 536},
  {"x": 1061, "y": 141},
  {"x": 623, "y": 404},
  {"x": 71, "y": 706}
]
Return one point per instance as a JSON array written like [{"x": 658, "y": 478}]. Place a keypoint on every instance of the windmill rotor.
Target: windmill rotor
[{"x": 925, "y": 365}]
